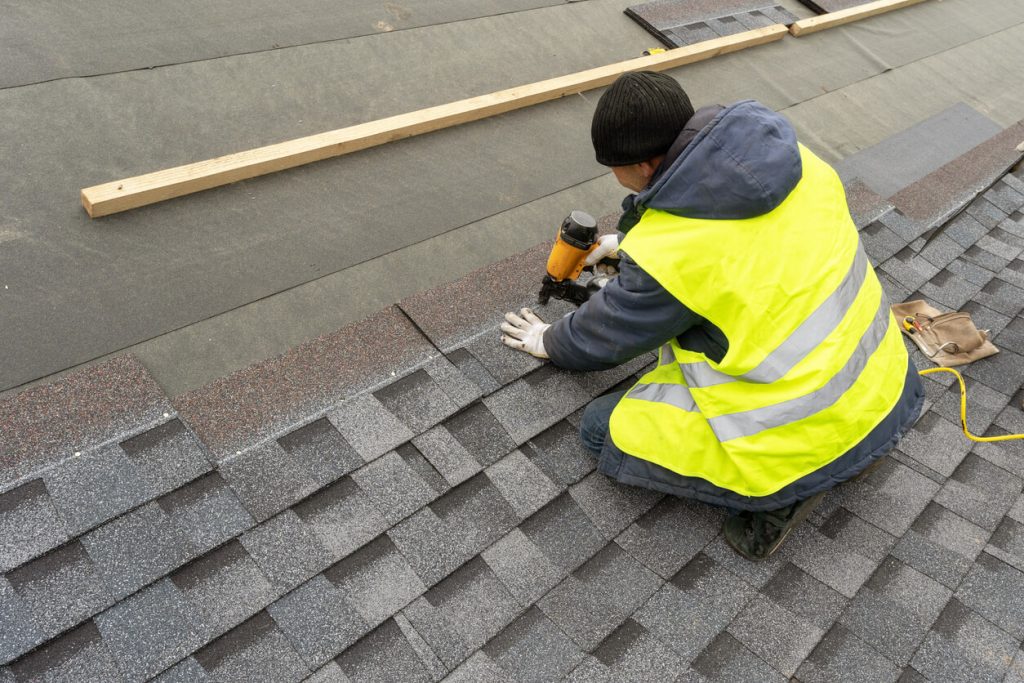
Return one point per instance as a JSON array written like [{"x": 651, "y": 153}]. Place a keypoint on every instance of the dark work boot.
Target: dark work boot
[{"x": 756, "y": 535}]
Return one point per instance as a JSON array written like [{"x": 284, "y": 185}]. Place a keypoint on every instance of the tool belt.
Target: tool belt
[{"x": 948, "y": 339}]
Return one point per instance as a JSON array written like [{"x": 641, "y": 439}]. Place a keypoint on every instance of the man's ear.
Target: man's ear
[{"x": 650, "y": 167}]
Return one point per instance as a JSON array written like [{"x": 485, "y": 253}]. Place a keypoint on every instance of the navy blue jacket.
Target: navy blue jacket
[{"x": 733, "y": 162}]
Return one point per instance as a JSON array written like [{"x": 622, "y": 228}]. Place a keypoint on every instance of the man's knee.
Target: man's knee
[{"x": 594, "y": 424}]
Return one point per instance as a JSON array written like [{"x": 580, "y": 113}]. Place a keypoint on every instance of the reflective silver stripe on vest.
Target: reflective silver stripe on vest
[
  {"x": 666, "y": 357},
  {"x": 812, "y": 332},
  {"x": 673, "y": 394},
  {"x": 751, "y": 422}
]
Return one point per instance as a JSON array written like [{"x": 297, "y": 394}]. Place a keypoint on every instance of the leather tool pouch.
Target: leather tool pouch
[{"x": 949, "y": 339}]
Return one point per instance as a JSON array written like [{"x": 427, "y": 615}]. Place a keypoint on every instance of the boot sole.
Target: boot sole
[{"x": 803, "y": 510}]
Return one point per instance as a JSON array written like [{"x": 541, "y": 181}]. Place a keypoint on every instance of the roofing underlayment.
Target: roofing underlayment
[
  {"x": 404, "y": 498},
  {"x": 407, "y": 499}
]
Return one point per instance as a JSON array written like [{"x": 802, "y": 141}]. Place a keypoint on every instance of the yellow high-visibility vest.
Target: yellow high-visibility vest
[{"x": 815, "y": 358}]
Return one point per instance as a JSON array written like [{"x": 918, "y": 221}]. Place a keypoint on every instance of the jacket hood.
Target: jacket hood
[{"x": 741, "y": 165}]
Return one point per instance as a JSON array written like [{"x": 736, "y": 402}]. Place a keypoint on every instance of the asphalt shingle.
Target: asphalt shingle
[
  {"x": 476, "y": 512},
  {"x": 670, "y": 534},
  {"x": 151, "y": 630},
  {"x": 936, "y": 442},
  {"x": 775, "y": 634},
  {"x": 726, "y": 659},
  {"x": 18, "y": 631},
  {"x": 369, "y": 426},
  {"x": 854, "y": 533},
  {"x": 891, "y": 497},
  {"x": 29, "y": 524},
  {"x": 377, "y": 580},
  {"x": 522, "y": 567},
  {"x": 479, "y": 432},
  {"x": 78, "y": 655},
  {"x": 166, "y": 457},
  {"x": 323, "y": 451},
  {"x": 1007, "y": 542},
  {"x": 394, "y": 486},
  {"x": 136, "y": 549},
  {"x": 225, "y": 587},
  {"x": 61, "y": 588},
  {"x": 318, "y": 620},
  {"x": 431, "y": 547},
  {"x": 461, "y": 613},
  {"x": 533, "y": 650},
  {"x": 995, "y": 590},
  {"x": 894, "y": 610},
  {"x": 267, "y": 479},
  {"x": 631, "y": 653},
  {"x": 941, "y": 544},
  {"x": 610, "y": 505},
  {"x": 94, "y": 487},
  {"x": 417, "y": 400},
  {"x": 474, "y": 370},
  {"x": 805, "y": 597},
  {"x": 563, "y": 533},
  {"x": 255, "y": 650},
  {"x": 286, "y": 550},
  {"x": 460, "y": 388},
  {"x": 980, "y": 492},
  {"x": 1001, "y": 296},
  {"x": 842, "y": 657},
  {"x": 447, "y": 455},
  {"x": 342, "y": 517},
  {"x": 557, "y": 451},
  {"x": 963, "y": 647},
  {"x": 206, "y": 512},
  {"x": 522, "y": 484},
  {"x": 521, "y": 411},
  {"x": 826, "y": 560},
  {"x": 384, "y": 655},
  {"x": 596, "y": 598}
]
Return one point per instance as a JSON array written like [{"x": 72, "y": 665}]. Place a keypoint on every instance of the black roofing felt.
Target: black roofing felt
[{"x": 326, "y": 517}]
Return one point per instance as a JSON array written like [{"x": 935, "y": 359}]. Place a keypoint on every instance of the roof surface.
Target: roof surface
[{"x": 407, "y": 499}]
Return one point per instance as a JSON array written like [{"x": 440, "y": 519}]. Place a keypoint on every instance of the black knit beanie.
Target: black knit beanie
[{"x": 638, "y": 118}]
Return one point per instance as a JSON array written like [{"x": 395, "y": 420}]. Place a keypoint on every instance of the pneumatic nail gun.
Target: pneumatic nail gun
[{"x": 577, "y": 237}]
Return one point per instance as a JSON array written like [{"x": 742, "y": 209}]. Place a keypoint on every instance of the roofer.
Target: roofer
[{"x": 781, "y": 371}]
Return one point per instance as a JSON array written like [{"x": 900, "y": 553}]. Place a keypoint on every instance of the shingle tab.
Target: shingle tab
[
  {"x": 963, "y": 647},
  {"x": 77, "y": 656},
  {"x": 521, "y": 410},
  {"x": 166, "y": 457},
  {"x": 941, "y": 544},
  {"x": 522, "y": 484},
  {"x": 417, "y": 400},
  {"x": 980, "y": 492},
  {"x": 394, "y": 486},
  {"x": 267, "y": 479},
  {"x": 995, "y": 590},
  {"x": 533, "y": 650},
  {"x": 631, "y": 653},
  {"x": 384, "y": 655},
  {"x": 461, "y": 613},
  {"x": 206, "y": 512},
  {"x": 94, "y": 487},
  {"x": 286, "y": 550},
  {"x": 29, "y": 524},
  {"x": 377, "y": 580},
  {"x": 610, "y": 505},
  {"x": 476, "y": 512},
  {"x": 319, "y": 620},
  {"x": 564, "y": 533},
  {"x": 323, "y": 451},
  {"x": 478, "y": 669},
  {"x": 828, "y": 561},
  {"x": 854, "y": 533},
  {"x": 596, "y": 598},
  {"x": 670, "y": 534},
  {"x": 369, "y": 426},
  {"x": 224, "y": 586},
  {"x": 61, "y": 588},
  {"x": 474, "y": 370},
  {"x": 18, "y": 630},
  {"x": 726, "y": 659},
  {"x": 775, "y": 634},
  {"x": 842, "y": 657},
  {"x": 479, "y": 432},
  {"x": 136, "y": 549},
  {"x": 432, "y": 548},
  {"x": 1007, "y": 543},
  {"x": 151, "y": 630},
  {"x": 936, "y": 442},
  {"x": 558, "y": 452},
  {"x": 1001, "y": 372},
  {"x": 894, "y": 610},
  {"x": 522, "y": 567},
  {"x": 501, "y": 362},
  {"x": 805, "y": 597},
  {"x": 254, "y": 651},
  {"x": 890, "y": 497},
  {"x": 447, "y": 455},
  {"x": 342, "y": 517},
  {"x": 700, "y": 601},
  {"x": 185, "y": 671},
  {"x": 560, "y": 390}
]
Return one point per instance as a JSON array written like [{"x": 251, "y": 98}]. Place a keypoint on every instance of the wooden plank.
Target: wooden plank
[
  {"x": 130, "y": 193},
  {"x": 832, "y": 19}
]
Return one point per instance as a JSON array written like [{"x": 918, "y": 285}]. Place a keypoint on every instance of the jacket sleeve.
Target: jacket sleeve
[{"x": 631, "y": 315}]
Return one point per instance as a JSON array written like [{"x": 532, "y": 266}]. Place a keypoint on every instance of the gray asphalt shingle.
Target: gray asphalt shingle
[
  {"x": 963, "y": 647},
  {"x": 370, "y": 427},
  {"x": 318, "y": 620},
  {"x": 532, "y": 649},
  {"x": 384, "y": 655},
  {"x": 342, "y": 517},
  {"x": 206, "y": 512},
  {"x": 29, "y": 524},
  {"x": 670, "y": 534},
  {"x": 320, "y": 447},
  {"x": 76, "y": 656},
  {"x": 842, "y": 657},
  {"x": 286, "y": 550},
  {"x": 995, "y": 590},
  {"x": 377, "y": 580},
  {"x": 267, "y": 479},
  {"x": 255, "y": 650}
]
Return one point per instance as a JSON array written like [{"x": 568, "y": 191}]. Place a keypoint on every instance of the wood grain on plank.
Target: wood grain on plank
[
  {"x": 832, "y": 19},
  {"x": 130, "y": 193}
]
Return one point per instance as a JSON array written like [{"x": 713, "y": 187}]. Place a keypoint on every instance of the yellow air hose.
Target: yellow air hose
[{"x": 963, "y": 409}]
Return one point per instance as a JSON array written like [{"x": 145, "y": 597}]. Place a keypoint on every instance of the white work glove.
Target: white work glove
[
  {"x": 607, "y": 247},
  {"x": 525, "y": 332}
]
